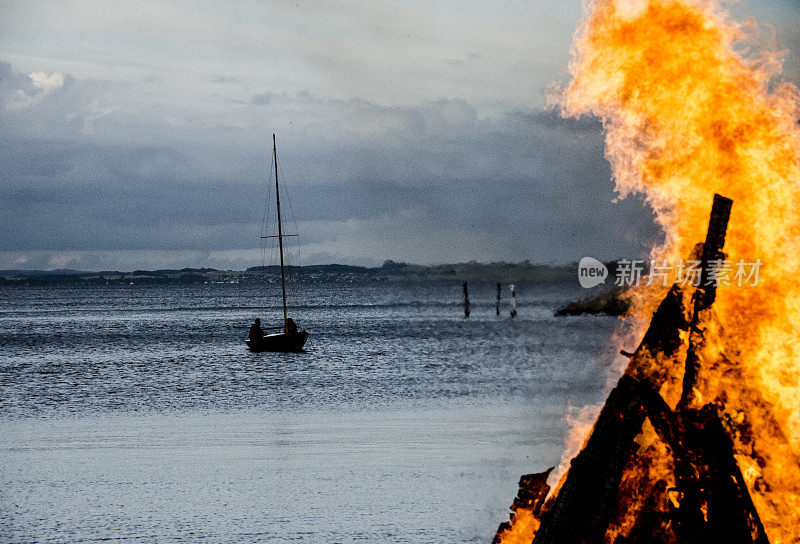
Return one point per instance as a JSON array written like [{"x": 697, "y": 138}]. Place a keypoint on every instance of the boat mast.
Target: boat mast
[{"x": 280, "y": 232}]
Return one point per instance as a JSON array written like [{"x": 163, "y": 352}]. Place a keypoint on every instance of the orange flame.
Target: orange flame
[
  {"x": 523, "y": 527},
  {"x": 689, "y": 110}
]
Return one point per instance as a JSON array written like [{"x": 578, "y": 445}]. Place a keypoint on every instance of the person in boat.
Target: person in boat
[
  {"x": 256, "y": 332},
  {"x": 291, "y": 326}
]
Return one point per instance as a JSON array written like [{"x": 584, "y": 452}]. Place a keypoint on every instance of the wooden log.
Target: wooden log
[
  {"x": 655, "y": 357},
  {"x": 704, "y": 295},
  {"x": 654, "y": 526},
  {"x": 757, "y": 432},
  {"x": 715, "y": 504},
  {"x": 533, "y": 490},
  {"x": 730, "y": 515},
  {"x": 581, "y": 511},
  {"x": 583, "y": 507}
]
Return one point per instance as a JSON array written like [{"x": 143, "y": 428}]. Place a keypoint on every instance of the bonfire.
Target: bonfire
[{"x": 697, "y": 442}]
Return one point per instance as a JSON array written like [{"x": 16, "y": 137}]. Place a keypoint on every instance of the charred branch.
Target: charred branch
[
  {"x": 586, "y": 501},
  {"x": 715, "y": 505},
  {"x": 687, "y": 483},
  {"x": 533, "y": 490},
  {"x": 705, "y": 294}
]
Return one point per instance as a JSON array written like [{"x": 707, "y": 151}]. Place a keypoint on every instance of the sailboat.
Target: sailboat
[{"x": 290, "y": 338}]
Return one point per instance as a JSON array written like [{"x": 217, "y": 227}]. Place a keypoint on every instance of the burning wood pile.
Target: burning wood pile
[
  {"x": 660, "y": 464},
  {"x": 697, "y": 442}
]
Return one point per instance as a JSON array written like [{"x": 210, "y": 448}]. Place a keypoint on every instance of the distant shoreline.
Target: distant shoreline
[{"x": 390, "y": 272}]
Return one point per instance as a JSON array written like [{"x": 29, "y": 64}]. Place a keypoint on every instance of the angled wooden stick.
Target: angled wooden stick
[{"x": 705, "y": 295}]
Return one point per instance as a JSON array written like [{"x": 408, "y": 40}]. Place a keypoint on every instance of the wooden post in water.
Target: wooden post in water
[
  {"x": 466, "y": 300},
  {"x": 513, "y": 301},
  {"x": 497, "y": 306}
]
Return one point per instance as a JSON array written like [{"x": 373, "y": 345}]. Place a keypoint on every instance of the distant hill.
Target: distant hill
[
  {"x": 56, "y": 272},
  {"x": 389, "y": 272}
]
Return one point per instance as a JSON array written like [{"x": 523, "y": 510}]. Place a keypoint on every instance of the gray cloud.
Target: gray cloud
[
  {"x": 367, "y": 182},
  {"x": 220, "y": 78},
  {"x": 407, "y": 133},
  {"x": 261, "y": 99}
]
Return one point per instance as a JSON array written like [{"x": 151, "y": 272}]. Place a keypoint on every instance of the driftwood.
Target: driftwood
[{"x": 701, "y": 496}]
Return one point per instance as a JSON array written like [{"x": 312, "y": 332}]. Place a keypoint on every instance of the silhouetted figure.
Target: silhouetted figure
[
  {"x": 291, "y": 326},
  {"x": 466, "y": 300},
  {"x": 497, "y": 306},
  {"x": 256, "y": 332}
]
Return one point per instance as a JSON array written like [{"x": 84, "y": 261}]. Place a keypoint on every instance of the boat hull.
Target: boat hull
[{"x": 279, "y": 342}]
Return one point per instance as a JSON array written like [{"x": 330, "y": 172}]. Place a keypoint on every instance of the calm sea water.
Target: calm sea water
[{"x": 135, "y": 413}]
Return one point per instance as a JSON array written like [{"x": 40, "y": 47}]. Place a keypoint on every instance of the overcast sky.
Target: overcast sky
[{"x": 138, "y": 134}]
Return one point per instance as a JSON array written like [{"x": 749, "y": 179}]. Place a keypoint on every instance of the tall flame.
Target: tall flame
[{"x": 690, "y": 110}]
